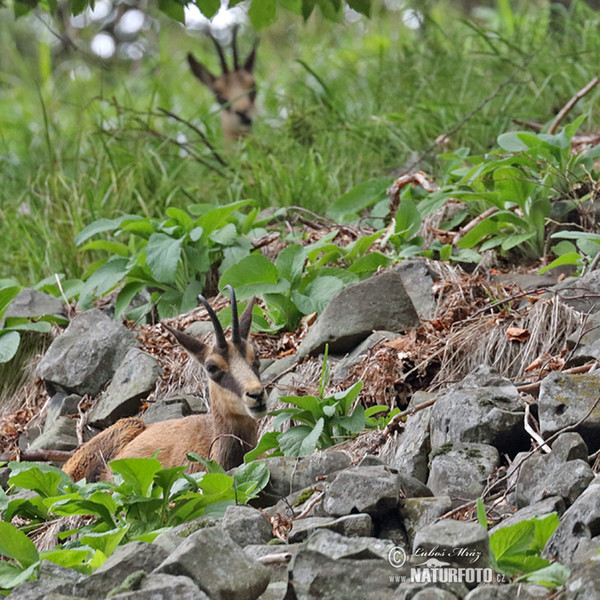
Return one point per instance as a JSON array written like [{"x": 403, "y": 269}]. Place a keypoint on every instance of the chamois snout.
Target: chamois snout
[{"x": 257, "y": 402}]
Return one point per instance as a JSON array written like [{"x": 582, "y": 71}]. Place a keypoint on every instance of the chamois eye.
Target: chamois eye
[{"x": 213, "y": 370}]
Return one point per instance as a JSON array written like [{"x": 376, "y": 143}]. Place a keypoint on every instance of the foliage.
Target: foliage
[
  {"x": 261, "y": 12},
  {"x": 514, "y": 186},
  {"x": 170, "y": 258},
  {"x": 325, "y": 421},
  {"x": 143, "y": 501},
  {"x": 516, "y": 550},
  {"x": 10, "y": 327}
]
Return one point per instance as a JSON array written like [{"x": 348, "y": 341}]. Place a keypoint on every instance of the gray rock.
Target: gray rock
[
  {"x": 581, "y": 293},
  {"x": 289, "y": 474},
  {"x": 484, "y": 408},
  {"x": 418, "y": 283},
  {"x": 411, "y": 590},
  {"x": 512, "y": 591},
  {"x": 413, "y": 444},
  {"x": 218, "y": 566},
  {"x": 278, "y": 584},
  {"x": 566, "y": 400},
  {"x": 337, "y": 546},
  {"x": 434, "y": 594},
  {"x": 61, "y": 434},
  {"x": 344, "y": 366},
  {"x": 135, "y": 377},
  {"x": 419, "y": 512},
  {"x": 135, "y": 556},
  {"x": 584, "y": 582},
  {"x": 585, "y": 342},
  {"x": 372, "y": 490},
  {"x": 461, "y": 470},
  {"x": 86, "y": 355},
  {"x": 380, "y": 302},
  {"x": 455, "y": 542},
  {"x": 61, "y": 405},
  {"x": 554, "y": 504},
  {"x": 360, "y": 525},
  {"x": 166, "y": 409},
  {"x": 247, "y": 525},
  {"x": 163, "y": 587},
  {"x": 52, "y": 580},
  {"x": 277, "y": 368},
  {"x": 578, "y": 524},
  {"x": 32, "y": 303},
  {"x": 314, "y": 575},
  {"x": 199, "y": 329}
]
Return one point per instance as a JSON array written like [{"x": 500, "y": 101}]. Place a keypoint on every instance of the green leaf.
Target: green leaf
[
  {"x": 268, "y": 441},
  {"x": 126, "y": 295},
  {"x": 317, "y": 295},
  {"x": 518, "y": 141},
  {"x": 110, "y": 247},
  {"x": 42, "y": 478},
  {"x": 105, "y": 541},
  {"x": 100, "y": 226},
  {"x": 9, "y": 344},
  {"x": 552, "y": 576},
  {"x": 301, "y": 440},
  {"x": 11, "y": 575},
  {"x": 511, "y": 540},
  {"x": 481, "y": 514},
  {"x": 255, "y": 274},
  {"x": 544, "y": 528},
  {"x": 162, "y": 256},
  {"x": 7, "y": 294},
  {"x": 16, "y": 545},
  {"x": 355, "y": 423},
  {"x": 473, "y": 237},
  {"x": 137, "y": 473},
  {"x": 307, "y": 8},
  {"x": 255, "y": 473},
  {"x": 173, "y": 9},
  {"x": 571, "y": 258},
  {"x": 209, "y": 8},
  {"x": 105, "y": 278},
  {"x": 361, "y": 6},
  {"x": 408, "y": 218},
  {"x": 24, "y": 324},
  {"x": 214, "y": 218},
  {"x": 370, "y": 263},
  {"x": 290, "y": 262},
  {"x": 262, "y": 13},
  {"x": 358, "y": 198},
  {"x": 72, "y": 558}
]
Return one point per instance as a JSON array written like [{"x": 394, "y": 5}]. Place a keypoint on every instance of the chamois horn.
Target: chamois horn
[
  {"x": 221, "y": 341},
  {"x": 224, "y": 66},
  {"x": 236, "y": 337},
  {"x": 236, "y": 64}
]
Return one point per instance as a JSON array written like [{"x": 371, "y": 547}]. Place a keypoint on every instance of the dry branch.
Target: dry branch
[{"x": 566, "y": 109}]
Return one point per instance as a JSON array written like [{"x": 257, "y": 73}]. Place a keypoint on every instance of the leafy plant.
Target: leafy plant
[
  {"x": 516, "y": 550},
  {"x": 143, "y": 501},
  {"x": 171, "y": 258}
]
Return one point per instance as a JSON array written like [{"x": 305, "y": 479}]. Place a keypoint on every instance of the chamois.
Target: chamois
[
  {"x": 237, "y": 400},
  {"x": 234, "y": 90}
]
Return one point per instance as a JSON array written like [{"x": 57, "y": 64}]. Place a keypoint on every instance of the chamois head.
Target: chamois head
[
  {"x": 234, "y": 90},
  {"x": 232, "y": 365}
]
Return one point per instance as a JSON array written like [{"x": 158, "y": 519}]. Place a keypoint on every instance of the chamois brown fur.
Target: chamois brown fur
[{"x": 237, "y": 399}]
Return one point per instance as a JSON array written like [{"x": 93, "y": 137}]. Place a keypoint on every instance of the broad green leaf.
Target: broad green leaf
[
  {"x": 570, "y": 258},
  {"x": 290, "y": 262},
  {"x": 511, "y": 540},
  {"x": 126, "y": 295},
  {"x": 552, "y": 576},
  {"x": 262, "y": 13},
  {"x": 208, "y": 8},
  {"x": 481, "y": 514},
  {"x": 9, "y": 344},
  {"x": 105, "y": 278},
  {"x": 7, "y": 294},
  {"x": 512, "y": 185},
  {"x": 173, "y": 9},
  {"x": 544, "y": 528},
  {"x": 215, "y": 218},
  {"x": 311, "y": 404},
  {"x": 225, "y": 236},
  {"x": 268, "y": 441},
  {"x": 358, "y": 198},
  {"x": 22, "y": 324},
  {"x": 310, "y": 442},
  {"x": 181, "y": 216},
  {"x": 42, "y": 478},
  {"x": 518, "y": 141},
  {"x": 255, "y": 274},
  {"x": 12, "y": 575},
  {"x": 107, "y": 246},
  {"x": 293, "y": 441},
  {"x": 137, "y": 473},
  {"x": 347, "y": 397},
  {"x": 361, "y": 6},
  {"x": 16, "y": 545},
  {"x": 473, "y": 237},
  {"x": 408, "y": 218},
  {"x": 354, "y": 423},
  {"x": 105, "y": 541},
  {"x": 370, "y": 263},
  {"x": 100, "y": 226},
  {"x": 72, "y": 558},
  {"x": 253, "y": 472},
  {"x": 162, "y": 256},
  {"x": 307, "y": 8},
  {"x": 317, "y": 295}
]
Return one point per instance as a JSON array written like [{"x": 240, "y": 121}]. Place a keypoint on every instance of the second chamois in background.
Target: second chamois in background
[
  {"x": 237, "y": 400},
  {"x": 235, "y": 90}
]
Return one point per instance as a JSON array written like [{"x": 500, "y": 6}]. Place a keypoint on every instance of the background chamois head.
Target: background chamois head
[
  {"x": 234, "y": 90},
  {"x": 232, "y": 365}
]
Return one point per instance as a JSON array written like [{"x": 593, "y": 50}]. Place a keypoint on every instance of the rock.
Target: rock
[
  {"x": 278, "y": 584},
  {"x": 512, "y": 591},
  {"x": 218, "y": 566},
  {"x": 413, "y": 444},
  {"x": 61, "y": 405},
  {"x": 418, "y": 283},
  {"x": 314, "y": 575},
  {"x": 360, "y": 525},
  {"x": 290, "y": 474},
  {"x": 32, "y": 303},
  {"x": 277, "y": 368},
  {"x": 461, "y": 470},
  {"x": 199, "y": 329},
  {"x": 578, "y": 524},
  {"x": 411, "y": 590},
  {"x": 337, "y": 546},
  {"x": 284, "y": 386},
  {"x": 434, "y": 594},
  {"x": 52, "y": 580},
  {"x": 61, "y": 434},
  {"x": 566, "y": 399},
  {"x": 456, "y": 542},
  {"x": 166, "y": 409},
  {"x": 344, "y": 366},
  {"x": 247, "y": 525},
  {"x": 484, "y": 408},
  {"x": 418, "y": 512},
  {"x": 135, "y": 377},
  {"x": 581, "y": 293},
  {"x": 584, "y": 582},
  {"x": 372, "y": 490},
  {"x": 543, "y": 508},
  {"x": 86, "y": 355},
  {"x": 585, "y": 342},
  {"x": 163, "y": 587},
  {"x": 380, "y": 302},
  {"x": 135, "y": 556}
]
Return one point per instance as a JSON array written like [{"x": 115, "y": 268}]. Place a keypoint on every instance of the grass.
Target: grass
[{"x": 340, "y": 103}]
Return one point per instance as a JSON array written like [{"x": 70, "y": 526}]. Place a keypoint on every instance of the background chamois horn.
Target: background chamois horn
[
  {"x": 221, "y": 341},
  {"x": 222, "y": 60},
  {"x": 235, "y": 323},
  {"x": 234, "y": 48}
]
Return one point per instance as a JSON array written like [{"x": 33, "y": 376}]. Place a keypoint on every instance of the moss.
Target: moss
[
  {"x": 304, "y": 496},
  {"x": 196, "y": 525},
  {"x": 132, "y": 582},
  {"x": 473, "y": 453},
  {"x": 275, "y": 542},
  {"x": 443, "y": 449}
]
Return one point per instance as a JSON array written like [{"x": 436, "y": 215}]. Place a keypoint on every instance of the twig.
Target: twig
[
  {"x": 38, "y": 455},
  {"x": 409, "y": 411},
  {"x": 62, "y": 293},
  {"x": 273, "y": 559},
  {"x": 566, "y": 109},
  {"x": 536, "y": 436},
  {"x": 308, "y": 508},
  {"x": 474, "y": 222},
  {"x": 530, "y": 388}
]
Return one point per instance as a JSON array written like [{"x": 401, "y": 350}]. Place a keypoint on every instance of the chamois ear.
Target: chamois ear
[
  {"x": 193, "y": 345},
  {"x": 249, "y": 64},
  {"x": 201, "y": 72},
  {"x": 246, "y": 319}
]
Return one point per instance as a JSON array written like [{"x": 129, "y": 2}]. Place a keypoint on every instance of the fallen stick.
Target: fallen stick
[
  {"x": 566, "y": 109},
  {"x": 530, "y": 388},
  {"x": 37, "y": 455}
]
